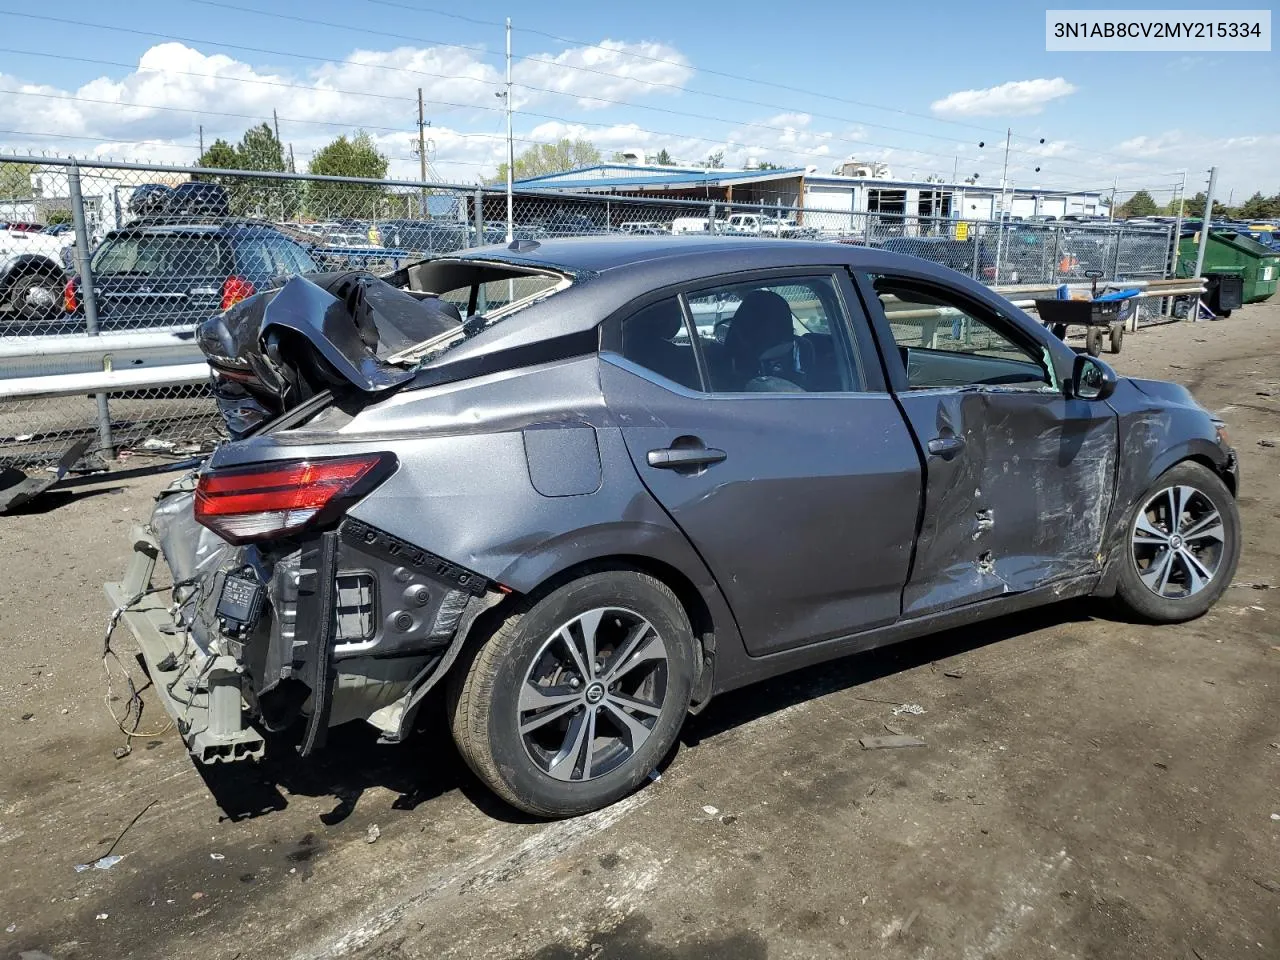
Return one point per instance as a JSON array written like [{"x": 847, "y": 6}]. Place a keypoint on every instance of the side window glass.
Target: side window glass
[
  {"x": 656, "y": 338},
  {"x": 945, "y": 342},
  {"x": 774, "y": 336}
]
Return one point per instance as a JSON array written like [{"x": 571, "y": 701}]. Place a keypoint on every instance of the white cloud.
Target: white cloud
[
  {"x": 370, "y": 89},
  {"x": 610, "y": 70},
  {"x": 1015, "y": 98}
]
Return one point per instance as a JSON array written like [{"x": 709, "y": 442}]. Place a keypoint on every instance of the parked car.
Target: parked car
[
  {"x": 581, "y": 517},
  {"x": 32, "y": 274},
  {"x": 176, "y": 273}
]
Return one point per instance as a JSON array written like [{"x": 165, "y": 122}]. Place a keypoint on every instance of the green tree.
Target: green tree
[
  {"x": 356, "y": 157},
  {"x": 257, "y": 196},
  {"x": 1195, "y": 206},
  {"x": 716, "y": 160},
  {"x": 766, "y": 165},
  {"x": 1256, "y": 207},
  {"x": 16, "y": 182},
  {"x": 663, "y": 159},
  {"x": 220, "y": 156},
  {"x": 1139, "y": 205},
  {"x": 60, "y": 215},
  {"x": 544, "y": 158}
]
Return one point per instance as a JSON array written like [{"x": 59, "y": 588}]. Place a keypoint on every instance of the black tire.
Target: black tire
[
  {"x": 1224, "y": 314},
  {"x": 24, "y": 291},
  {"x": 1093, "y": 341},
  {"x": 1117, "y": 337},
  {"x": 485, "y": 690},
  {"x": 1143, "y": 600}
]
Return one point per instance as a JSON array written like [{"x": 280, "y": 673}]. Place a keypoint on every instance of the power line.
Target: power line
[
  {"x": 613, "y": 75},
  {"x": 748, "y": 124},
  {"x": 729, "y": 76}
]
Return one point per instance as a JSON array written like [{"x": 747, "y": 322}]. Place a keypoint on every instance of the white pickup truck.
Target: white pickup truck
[{"x": 33, "y": 272}]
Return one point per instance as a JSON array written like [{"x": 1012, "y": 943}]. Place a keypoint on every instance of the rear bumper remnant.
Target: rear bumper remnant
[{"x": 202, "y": 693}]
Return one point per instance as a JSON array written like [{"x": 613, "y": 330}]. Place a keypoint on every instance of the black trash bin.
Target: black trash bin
[{"x": 1223, "y": 292}]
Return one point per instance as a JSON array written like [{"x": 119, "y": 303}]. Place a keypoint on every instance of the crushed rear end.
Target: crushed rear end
[{"x": 278, "y": 611}]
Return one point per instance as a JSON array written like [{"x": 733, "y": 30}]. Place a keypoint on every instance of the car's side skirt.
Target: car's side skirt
[{"x": 734, "y": 669}]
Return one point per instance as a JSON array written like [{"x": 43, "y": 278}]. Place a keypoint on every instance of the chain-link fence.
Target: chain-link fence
[{"x": 151, "y": 249}]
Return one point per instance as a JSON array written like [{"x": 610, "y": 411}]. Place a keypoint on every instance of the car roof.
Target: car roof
[
  {"x": 609, "y": 272},
  {"x": 578, "y": 255},
  {"x": 197, "y": 229}
]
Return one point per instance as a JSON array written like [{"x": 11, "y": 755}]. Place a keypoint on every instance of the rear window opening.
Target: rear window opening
[{"x": 484, "y": 293}]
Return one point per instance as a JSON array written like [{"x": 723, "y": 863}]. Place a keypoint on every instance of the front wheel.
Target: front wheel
[
  {"x": 1182, "y": 545},
  {"x": 577, "y": 696}
]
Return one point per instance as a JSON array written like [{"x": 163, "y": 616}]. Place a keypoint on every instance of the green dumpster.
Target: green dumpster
[{"x": 1231, "y": 252}]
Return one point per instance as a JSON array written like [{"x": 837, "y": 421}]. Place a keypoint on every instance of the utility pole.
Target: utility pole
[
  {"x": 202, "y": 139},
  {"x": 1177, "y": 226},
  {"x": 422, "y": 141},
  {"x": 1111, "y": 207},
  {"x": 292, "y": 168},
  {"x": 1004, "y": 183},
  {"x": 422, "y": 154},
  {"x": 511, "y": 153},
  {"x": 276, "y": 122},
  {"x": 1205, "y": 222}
]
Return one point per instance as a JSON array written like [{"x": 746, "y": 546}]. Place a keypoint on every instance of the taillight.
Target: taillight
[
  {"x": 71, "y": 296},
  {"x": 235, "y": 289},
  {"x": 275, "y": 500}
]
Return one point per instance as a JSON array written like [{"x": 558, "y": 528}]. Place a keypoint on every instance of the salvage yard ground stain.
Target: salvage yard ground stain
[{"x": 630, "y": 940}]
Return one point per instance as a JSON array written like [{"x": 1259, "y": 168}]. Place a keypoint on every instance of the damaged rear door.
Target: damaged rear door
[{"x": 1018, "y": 478}]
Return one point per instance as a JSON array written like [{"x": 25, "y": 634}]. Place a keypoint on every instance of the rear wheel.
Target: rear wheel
[
  {"x": 1183, "y": 543},
  {"x": 36, "y": 296},
  {"x": 1117, "y": 337},
  {"x": 1093, "y": 342},
  {"x": 576, "y": 696}
]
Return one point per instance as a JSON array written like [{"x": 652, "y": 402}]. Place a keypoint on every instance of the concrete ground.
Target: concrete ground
[{"x": 1089, "y": 788}]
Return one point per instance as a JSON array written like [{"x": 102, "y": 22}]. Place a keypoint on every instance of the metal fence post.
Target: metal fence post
[
  {"x": 89, "y": 297},
  {"x": 711, "y": 218},
  {"x": 1115, "y": 270}
]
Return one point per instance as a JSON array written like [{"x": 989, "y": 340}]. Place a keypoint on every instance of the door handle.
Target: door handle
[
  {"x": 946, "y": 447},
  {"x": 672, "y": 458}
]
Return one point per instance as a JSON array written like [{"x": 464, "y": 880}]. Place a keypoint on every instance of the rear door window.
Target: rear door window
[{"x": 780, "y": 335}]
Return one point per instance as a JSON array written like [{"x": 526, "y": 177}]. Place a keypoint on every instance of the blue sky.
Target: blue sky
[{"x": 918, "y": 85}]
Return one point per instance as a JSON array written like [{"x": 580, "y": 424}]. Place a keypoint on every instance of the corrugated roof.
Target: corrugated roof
[{"x": 643, "y": 177}]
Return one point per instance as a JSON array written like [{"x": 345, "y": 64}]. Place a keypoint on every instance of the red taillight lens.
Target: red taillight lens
[
  {"x": 254, "y": 503},
  {"x": 71, "y": 296},
  {"x": 235, "y": 289}
]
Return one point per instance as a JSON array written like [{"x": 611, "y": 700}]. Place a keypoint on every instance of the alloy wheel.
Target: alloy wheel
[
  {"x": 1178, "y": 542},
  {"x": 593, "y": 694}
]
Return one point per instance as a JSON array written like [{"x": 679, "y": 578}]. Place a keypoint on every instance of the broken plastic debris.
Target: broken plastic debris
[
  {"x": 890, "y": 742},
  {"x": 711, "y": 811},
  {"x": 912, "y": 708},
  {"x": 654, "y": 775},
  {"x": 102, "y": 916},
  {"x": 10, "y": 928},
  {"x": 1275, "y": 816},
  {"x": 217, "y": 856},
  {"x": 372, "y": 834},
  {"x": 102, "y": 863}
]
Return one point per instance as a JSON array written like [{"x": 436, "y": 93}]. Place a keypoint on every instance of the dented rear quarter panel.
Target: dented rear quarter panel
[{"x": 495, "y": 475}]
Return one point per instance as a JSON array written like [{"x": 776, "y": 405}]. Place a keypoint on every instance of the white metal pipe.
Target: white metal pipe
[
  {"x": 122, "y": 341},
  {"x": 104, "y": 381}
]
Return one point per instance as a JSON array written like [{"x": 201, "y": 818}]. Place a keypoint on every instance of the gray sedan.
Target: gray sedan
[{"x": 585, "y": 485}]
